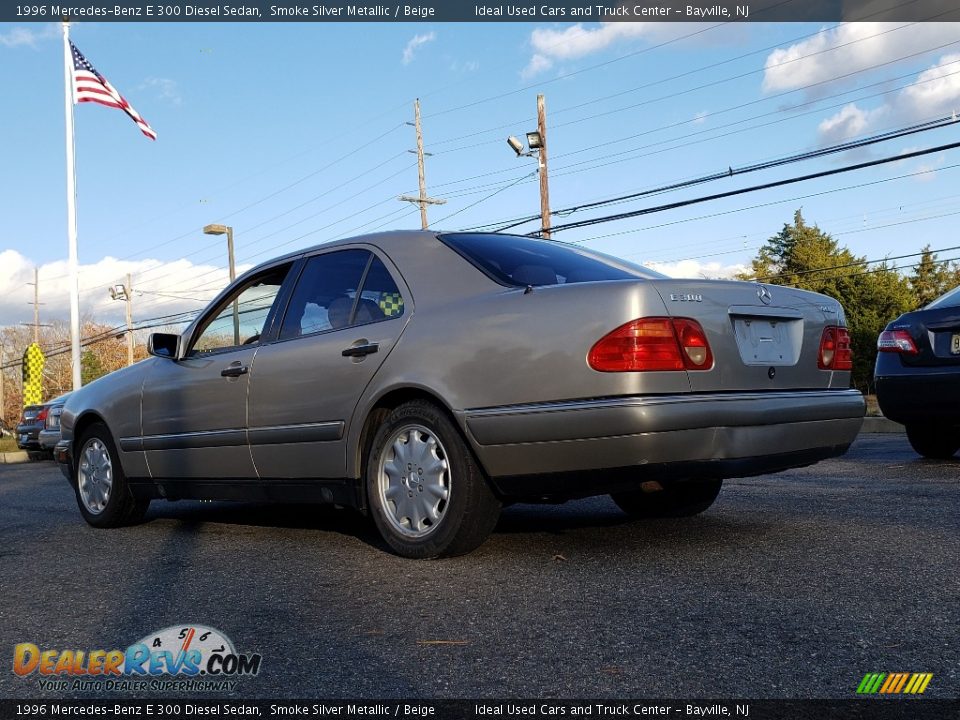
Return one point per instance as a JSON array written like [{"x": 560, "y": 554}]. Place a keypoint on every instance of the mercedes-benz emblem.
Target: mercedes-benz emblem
[{"x": 765, "y": 297}]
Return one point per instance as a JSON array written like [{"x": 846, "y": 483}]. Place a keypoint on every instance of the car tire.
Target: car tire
[
  {"x": 935, "y": 442},
  {"x": 34, "y": 455},
  {"x": 674, "y": 500},
  {"x": 428, "y": 496},
  {"x": 102, "y": 491}
]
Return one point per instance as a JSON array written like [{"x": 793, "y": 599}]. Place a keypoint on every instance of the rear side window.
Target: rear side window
[
  {"x": 518, "y": 261},
  {"x": 380, "y": 298}
]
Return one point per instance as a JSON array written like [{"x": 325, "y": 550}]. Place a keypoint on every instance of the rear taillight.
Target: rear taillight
[
  {"x": 835, "y": 352},
  {"x": 897, "y": 341},
  {"x": 41, "y": 416},
  {"x": 656, "y": 343}
]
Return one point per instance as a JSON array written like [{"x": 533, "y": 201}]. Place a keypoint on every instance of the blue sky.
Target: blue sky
[{"x": 295, "y": 134}]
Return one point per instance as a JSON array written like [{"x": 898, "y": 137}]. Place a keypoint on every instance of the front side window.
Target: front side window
[
  {"x": 241, "y": 319},
  {"x": 324, "y": 296},
  {"x": 329, "y": 294}
]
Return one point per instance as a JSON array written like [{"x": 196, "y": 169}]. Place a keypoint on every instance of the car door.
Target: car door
[
  {"x": 344, "y": 316},
  {"x": 194, "y": 409}
]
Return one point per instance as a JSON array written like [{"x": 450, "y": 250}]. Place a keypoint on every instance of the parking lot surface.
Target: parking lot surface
[{"x": 792, "y": 585}]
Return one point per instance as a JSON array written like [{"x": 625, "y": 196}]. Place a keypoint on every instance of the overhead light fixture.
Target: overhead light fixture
[
  {"x": 118, "y": 292},
  {"x": 516, "y": 145},
  {"x": 534, "y": 141},
  {"x": 214, "y": 229}
]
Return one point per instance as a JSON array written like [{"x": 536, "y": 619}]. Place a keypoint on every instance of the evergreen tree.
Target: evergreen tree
[
  {"x": 931, "y": 278},
  {"x": 804, "y": 256}
]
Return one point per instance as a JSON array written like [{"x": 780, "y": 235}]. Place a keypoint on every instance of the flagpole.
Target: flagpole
[{"x": 71, "y": 208}]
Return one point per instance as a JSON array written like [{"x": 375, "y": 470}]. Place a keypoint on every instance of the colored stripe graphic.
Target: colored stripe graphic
[
  {"x": 894, "y": 683},
  {"x": 871, "y": 683}
]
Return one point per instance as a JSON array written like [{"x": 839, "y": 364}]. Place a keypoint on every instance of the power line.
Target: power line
[
  {"x": 777, "y": 162},
  {"x": 754, "y": 188},
  {"x": 593, "y": 164}
]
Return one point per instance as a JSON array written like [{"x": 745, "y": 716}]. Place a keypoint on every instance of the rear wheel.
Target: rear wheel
[
  {"x": 427, "y": 495},
  {"x": 678, "y": 499},
  {"x": 103, "y": 494},
  {"x": 937, "y": 442}
]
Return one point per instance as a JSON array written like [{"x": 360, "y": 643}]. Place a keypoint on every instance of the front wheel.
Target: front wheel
[
  {"x": 938, "y": 443},
  {"x": 103, "y": 494},
  {"x": 427, "y": 495},
  {"x": 673, "y": 500}
]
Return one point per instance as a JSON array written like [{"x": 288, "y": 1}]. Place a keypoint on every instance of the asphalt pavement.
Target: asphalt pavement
[{"x": 792, "y": 585}]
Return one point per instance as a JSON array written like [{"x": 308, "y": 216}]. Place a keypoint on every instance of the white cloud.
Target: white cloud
[
  {"x": 700, "y": 117},
  {"x": 576, "y": 41},
  {"x": 153, "y": 281},
  {"x": 850, "y": 47},
  {"x": 26, "y": 37},
  {"x": 167, "y": 90},
  {"x": 935, "y": 92},
  {"x": 697, "y": 269},
  {"x": 928, "y": 171},
  {"x": 937, "y": 89},
  {"x": 849, "y": 122},
  {"x": 415, "y": 42}
]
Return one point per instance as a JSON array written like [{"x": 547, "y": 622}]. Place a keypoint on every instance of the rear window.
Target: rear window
[
  {"x": 518, "y": 261},
  {"x": 951, "y": 299}
]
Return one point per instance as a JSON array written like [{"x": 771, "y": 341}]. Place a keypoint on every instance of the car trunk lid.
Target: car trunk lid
[
  {"x": 761, "y": 336},
  {"x": 936, "y": 335}
]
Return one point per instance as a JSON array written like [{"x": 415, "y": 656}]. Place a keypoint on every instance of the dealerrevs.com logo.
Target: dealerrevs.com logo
[{"x": 180, "y": 657}]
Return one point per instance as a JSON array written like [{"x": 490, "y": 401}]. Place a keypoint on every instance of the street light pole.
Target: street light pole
[
  {"x": 125, "y": 292},
  {"x": 228, "y": 231}
]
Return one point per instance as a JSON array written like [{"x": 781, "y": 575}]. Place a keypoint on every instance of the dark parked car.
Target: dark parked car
[
  {"x": 34, "y": 419},
  {"x": 49, "y": 436},
  {"x": 428, "y": 378},
  {"x": 917, "y": 375}
]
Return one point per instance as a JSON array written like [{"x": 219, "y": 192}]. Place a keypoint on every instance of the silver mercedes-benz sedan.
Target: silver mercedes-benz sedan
[{"x": 428, "y": 379}]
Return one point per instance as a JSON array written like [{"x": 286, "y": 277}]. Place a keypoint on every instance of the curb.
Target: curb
[
  {"x": 881, "y": 425},
  {"x": 19, "y": 456}
]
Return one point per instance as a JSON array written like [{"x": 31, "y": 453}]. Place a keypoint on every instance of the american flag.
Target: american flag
[{"x": 91, "y": 86}]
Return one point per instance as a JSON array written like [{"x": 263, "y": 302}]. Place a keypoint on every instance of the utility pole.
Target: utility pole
[
  {"x": 3, "y": 407},
  {"x": 422, "y": 200},
  {"x": 128, "y": 291},
  {"x": 544, "y": 181},
  {"x": 36, "y": 305}
]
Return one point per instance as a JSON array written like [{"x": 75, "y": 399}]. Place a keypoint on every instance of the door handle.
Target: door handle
[
  {"x": 235, "y": 370},
  {"x": 361, "y": 350}
]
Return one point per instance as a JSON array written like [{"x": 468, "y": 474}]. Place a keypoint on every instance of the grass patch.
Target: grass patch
[{"x": 8, "y": 443}]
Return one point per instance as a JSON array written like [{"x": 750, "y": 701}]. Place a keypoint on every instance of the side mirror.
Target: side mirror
[{"x": 165, "y": 345}]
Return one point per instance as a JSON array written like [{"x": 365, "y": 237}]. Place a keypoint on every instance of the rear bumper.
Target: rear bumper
[
  {"x": 710, "y": 430},
  {"x": 27, "y": 437},
  {"x": 923, "y": 397}
]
